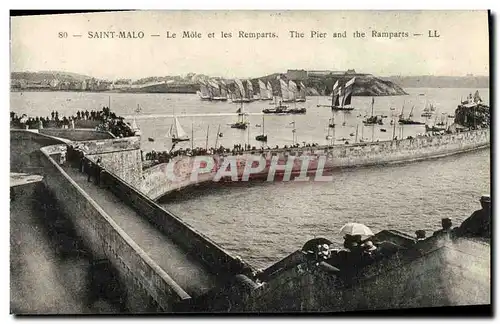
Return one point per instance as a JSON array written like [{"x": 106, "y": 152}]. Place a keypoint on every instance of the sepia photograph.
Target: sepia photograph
[{"x": 250, "y": 162}]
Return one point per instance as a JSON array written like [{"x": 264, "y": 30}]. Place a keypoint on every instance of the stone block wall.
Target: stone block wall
[{"x": 149, "y": 288}]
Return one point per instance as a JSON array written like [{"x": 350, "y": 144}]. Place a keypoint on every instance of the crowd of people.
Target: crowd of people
[
  {"x": 105, "y": 120},
  {"x": 75, "y": 156},
  {"x": 158, "y": 157}
]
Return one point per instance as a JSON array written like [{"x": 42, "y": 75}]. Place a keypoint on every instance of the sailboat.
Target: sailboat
[
  {"x": 292, "y": 86},
  {"x": 286, "y": 94},
  {"x": 301, "y": 97},
  {"x": 331, "y": 122},
  {"x": 265, "y": 93},
  {"x": 373, "y": 120},
  {"x": 435, "y": 127},
  {"x": 223, "y": 91},
  {"x": 428, "y": 110},
  {"x": 248, "y": 96},
  {"x": 135, "y": 128},
  {"x": 239, "y": 92},
  {"x": 241, "y": 123},
  {"x": 177, "y": 132},
  {"x": 270, "y": 93},
  {"x": 409, "y": 120},
  {"x": 262, "y": 137},
  {"x": 341, "y": 100},
  {"x": 204, "y": 92},
  {"x": 216, "y": 91}
]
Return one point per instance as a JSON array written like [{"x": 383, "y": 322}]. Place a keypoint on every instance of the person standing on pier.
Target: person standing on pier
[
  {"x": 479, "y": 223},
  {"x": 97, "y": 169},
  {"x": 89, "y": 170}
]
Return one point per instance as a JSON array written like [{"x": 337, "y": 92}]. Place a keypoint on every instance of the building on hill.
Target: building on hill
[{"x": 296, "y": 75}]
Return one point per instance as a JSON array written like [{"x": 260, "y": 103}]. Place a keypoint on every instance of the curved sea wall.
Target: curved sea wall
[{"x": 158, "y": 182}]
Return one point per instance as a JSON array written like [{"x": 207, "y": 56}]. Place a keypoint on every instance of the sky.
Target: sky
[{"x": 461, "y": 49}]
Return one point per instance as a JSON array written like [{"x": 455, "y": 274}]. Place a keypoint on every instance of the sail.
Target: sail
[
  {"x": 348, "y": 92},
  {"x": 223, "y": 89},
  {"x": 477, "y": 97},
  {"x": 433, "y": 108},
  {"x": 240, "y": 87},
  {"x": 302, "y": 91},
  {"x": 249, "y": 90},
  {"x": 178, "y": 131},
  {"x": 292, "y": 86},
  {"x": 427, "y": 107},
  {"x": 269, "y": 90},
  {"x": 285, "y": 93},
  {"x": 335, "y": 94},
  {"x": 263, "y": 90},
  {"x": 204, "y": 91},
  {"x": 215, "y": 88}
]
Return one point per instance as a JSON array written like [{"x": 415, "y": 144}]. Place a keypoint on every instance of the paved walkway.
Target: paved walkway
[{"x": 186, "y": 270}]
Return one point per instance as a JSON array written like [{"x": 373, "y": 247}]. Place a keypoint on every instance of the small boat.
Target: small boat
[
  {"x": 428, "y": 110},
  {"x": 257, "y": 125},
  {"x": 451, "y": 116},
  {"x": 372, "y": 120},
  {"x": 352, "y": 134},
  {"x": 239, "y": 125},
  {"x": 177, "y": 132},
  {"x": 331, "y": 122},
  {"x": 408, "y": 121},
  {"x": 383, "y": 130},
  {"x": 434, "y": 128},
  {"x": 262, "y": 137},
  {"x": 421, "y": 94},
  {"x": 151, "y": 139}
]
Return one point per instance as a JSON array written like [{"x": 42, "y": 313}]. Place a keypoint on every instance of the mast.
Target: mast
[
  {"x": 192, "y": 135},
  {"x": 356, "y": 139},
  {"x": 217, "y": 137},
  {"x": 248, "y": 137},
  {"x": 411, "y": 112},
  {"x": 262, "y": 124},
  {"x": 393, "y": 129},
  {"x": 333, "y": 136},
  {"x": 206, "y": 142},
  {"x": 373, "y": 102}
]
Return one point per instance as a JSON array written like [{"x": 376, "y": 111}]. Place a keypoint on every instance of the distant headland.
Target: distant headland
[{"x": 316, "y": 82}]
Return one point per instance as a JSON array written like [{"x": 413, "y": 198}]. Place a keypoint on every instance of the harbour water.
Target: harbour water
[{"x": 257, "y": 220}]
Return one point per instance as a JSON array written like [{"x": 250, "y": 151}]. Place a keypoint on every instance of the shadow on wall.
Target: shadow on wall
[{"x": 63, "y": 276}]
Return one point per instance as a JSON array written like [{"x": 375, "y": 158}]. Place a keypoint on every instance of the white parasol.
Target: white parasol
[{"x": 356, "y": 229}]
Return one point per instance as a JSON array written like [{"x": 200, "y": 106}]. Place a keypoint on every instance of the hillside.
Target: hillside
[
  {"x": 364, "y": 85},
  {"x": 36, "y": 77},
  {"x": 430, "y": 81}
]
